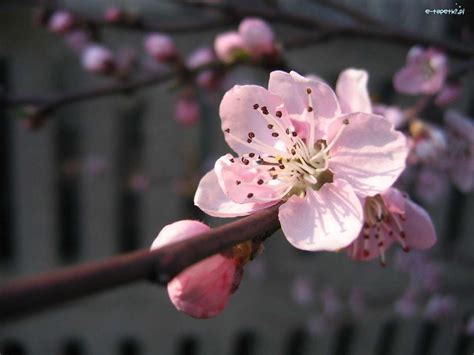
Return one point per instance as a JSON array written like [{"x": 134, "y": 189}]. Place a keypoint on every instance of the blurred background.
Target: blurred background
[{"x": 103, "y": 177}]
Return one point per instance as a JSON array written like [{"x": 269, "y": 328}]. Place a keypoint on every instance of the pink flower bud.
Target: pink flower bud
[
  {"x": 61, "y": 21},
  {"x": 161, "y": 47},
  {"x": 187, "y": 110},
  {"x": 227, "y": 45},
  {"x": 449, "y": 94},
  {"x": 113, "y": 14},
  {"x": 203, "y": 289},
  {"x": 257, "y": 37},
  {"x": 98, "y": 59}
]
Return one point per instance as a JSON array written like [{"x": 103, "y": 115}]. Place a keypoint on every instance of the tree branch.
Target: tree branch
[{"x": 27, "y": 296}]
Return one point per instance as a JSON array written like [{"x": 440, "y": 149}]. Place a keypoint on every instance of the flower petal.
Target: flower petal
[
  {"x": 418, "y": 227},
  {"x": 369, "y": 154},
  {"x": 351, "y": 90},
  {"x": 292, "y": 88},
  {"x": 395, "y": 200},
  {"x": 328, "y": 219},
  {"x": 211, "y": 199},
  {"x": 247, "y": 183},
  {"x": 249, "y": 109}
]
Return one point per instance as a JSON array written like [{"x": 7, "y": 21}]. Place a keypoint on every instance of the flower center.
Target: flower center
[
  {"x": 380, "y": 223},
  {"x": 292, "y": 162}
]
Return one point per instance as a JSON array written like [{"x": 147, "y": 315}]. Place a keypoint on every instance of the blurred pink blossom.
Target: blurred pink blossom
[
  {"x": 257, "y": 37},
  {"x": 203, "y": 289},
  {"x": 161, "y": 47},
  {"x": 227, "y": 45},
  {"x": 440, "y": 307},
  {"x": 460, "y": 150},
  {"x": 77, "y": 39},
  {"x": 407, "y": 306},
  {"x": 357, "y": 302},
  {"x": 424, "y": 72},
  {"x": 392, "y": 113},
  {"x": 113, "y": 14},
  {"x": 139, "y": 182},
  {"x": 95, "y": 165},
  {"x": 391, "y": 217},
  {"x": 431, "y": 185},
  {"x": 449, "y": 94},
  {"x": 61, "y": 21},
  {"x": 470, "y": 326},
  {"x": 277, "y": 163},
  {"x": 98, "y": 59},
  {"x": 187, "y": 110},
  {"x": 429, "y": 144},
  {"x": 301, "y": 290},
  {"x": 207, "y": 79}
]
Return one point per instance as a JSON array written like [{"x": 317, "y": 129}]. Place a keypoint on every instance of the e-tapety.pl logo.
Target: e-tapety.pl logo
[{"x": 457, "y": 10}]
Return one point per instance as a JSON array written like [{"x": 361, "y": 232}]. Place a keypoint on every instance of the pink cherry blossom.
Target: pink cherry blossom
[
  {"x": 257, "y": 37},
  {"x": 431, "y": 185},
  {"x": 449, "y": 94},
  {"x": 227, "y": 45},
  {"x": 428, "y": 145},
  {"x": 424, "y": 72},
  {"x": 460, "y": 149},
  {"x": 407, "y": 306},
  {"x": 161, "y": 47},
  {"x": 207, "y": 79},
  {"x": 390, "y": 217},
  {"x": 440, "y": 307},
  {"x": 203, "y": 289},
  {"x": 295, "y": 146},
  {"x": 61, "y": 21},
  {"x": 97, "y": 59},
  {"x": 77, "y": 39},
  {"x": 187, "y": 110},
  {"x": 113, "y": 14}
]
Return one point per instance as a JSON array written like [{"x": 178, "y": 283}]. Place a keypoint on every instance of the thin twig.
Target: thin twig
[
  {"x": 332, "y": 30},
  {"x": 26, "y": 296}
]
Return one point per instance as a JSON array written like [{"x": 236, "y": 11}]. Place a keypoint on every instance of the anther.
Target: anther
[
  {"x": 237, "y": 182},
  {"x": 251, "y": 155},
  {"x": 310, "y": 109},
  {"x": 232, "y": 160},
  {"x": 278, "y": 114},
  {"x": 260, "y": 182},
  {"x": 251, "y": 135},
  {"x": 274, "y": 134},
  {"x": 281, "y": 166},
  {"x": 308, "y": 91},
  {"x": 270, "y": 126},
  {"x": 293, "y": 152},
  {"x": 346, "y": 121},
  {"x": 287, "y": 131},
  {"x": 249, "y": 140},
  {"x": 294, "y": 134},
  {"x": 227, "y": 130},
  {"x": 265, "y": 110},
  {"x": 250, "y": 195},
  {"x": 255, "y": 106}
]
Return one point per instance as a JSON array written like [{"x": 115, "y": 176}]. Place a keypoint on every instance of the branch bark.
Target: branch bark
[{"x": 25, "y": 297}]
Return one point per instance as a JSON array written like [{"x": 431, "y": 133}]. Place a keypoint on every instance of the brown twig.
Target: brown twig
[{"x": 27, "y": 296}]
